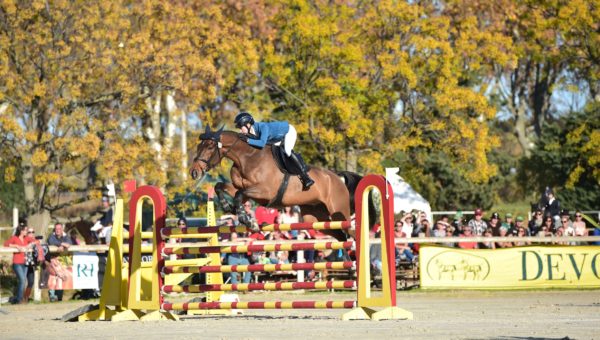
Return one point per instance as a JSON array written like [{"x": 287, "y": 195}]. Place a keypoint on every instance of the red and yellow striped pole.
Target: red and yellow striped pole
[
  {"x": 259, "y": 267},
  {"x": 259, "y": 305},
  {"x": 307, "y": 226},
  {"x": 258, "y": 248},
  {"x": 259, "y": 286}
]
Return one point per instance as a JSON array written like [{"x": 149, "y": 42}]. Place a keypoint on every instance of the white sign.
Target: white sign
[{"x": 85, "y": 271}]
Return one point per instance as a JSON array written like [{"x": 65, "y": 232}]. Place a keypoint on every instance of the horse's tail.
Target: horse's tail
[{"x": 351, "y": 180}]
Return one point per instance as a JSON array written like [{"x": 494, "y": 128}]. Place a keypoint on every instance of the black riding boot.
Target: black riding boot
[{"x": 304, "y": 177}]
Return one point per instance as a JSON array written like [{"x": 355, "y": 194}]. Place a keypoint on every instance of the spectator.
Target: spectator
[
  {"x": 579, "y": 225},
  {"x": 251, "y": 215},
  {"x": 521, "y": 232},
  {"x": 236, "y": 259},
  {"x": 477, "y": 224},
  {"x": 59, "y": 239},
  {"x": 407, "y": 224},
  {"x": 266, "y": 215},
  {"x": 103, "y": 227},
  {"x": 546, "y": 228},
  {"x": 560, "y": 232},
  {"x": 503, "y": 233},
  {"x": 467, "y": 232},
  {"x": 487, "y": 245},
  {"x": 19, "y": 241},
  {"x": 514, "y": 231},
  {"x": 440, "y": 231},
  {"x": 375, "y": 254},
  {"x": 289, "y": 215},
  {"x": 508, "y": 222},
  {"x": 424, "y": 229},
  {"x": 536, "y": 222},
  {"x": 402, "y": 249},
  {"x": 458, "y": 223},
  {"x": 495, "y": 224},
  {"x": 567, "y": 226},
  {"x": 548, "y": 225},
  {"x": 31, "y": 263}
]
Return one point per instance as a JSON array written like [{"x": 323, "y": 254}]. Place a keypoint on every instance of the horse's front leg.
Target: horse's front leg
[
  {"x": 243, "y": 217},
  {"x": 225, "y": 188}
]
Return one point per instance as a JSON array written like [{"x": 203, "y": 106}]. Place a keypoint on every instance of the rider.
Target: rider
[{"x": 261, "y": 133}]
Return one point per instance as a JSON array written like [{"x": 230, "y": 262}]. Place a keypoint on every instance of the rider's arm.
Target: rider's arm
[{"x": 263, "y": 135}]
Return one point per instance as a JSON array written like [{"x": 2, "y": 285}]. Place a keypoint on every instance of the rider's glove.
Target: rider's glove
[{"x": 244, "y": 138}]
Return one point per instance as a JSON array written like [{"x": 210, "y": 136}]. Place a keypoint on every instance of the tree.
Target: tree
[
  {"x": 365, "y": 82},
  {"x": 91, "y": 92},
  {"x": 556, "y": 49},
  {"x": 567, "y": 158}
]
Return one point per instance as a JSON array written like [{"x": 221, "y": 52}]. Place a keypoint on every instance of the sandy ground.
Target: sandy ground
[{"x": 439, "y": 315}]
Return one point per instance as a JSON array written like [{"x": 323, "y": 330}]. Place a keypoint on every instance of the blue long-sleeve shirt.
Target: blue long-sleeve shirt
[{"x": 271, "y": 132}]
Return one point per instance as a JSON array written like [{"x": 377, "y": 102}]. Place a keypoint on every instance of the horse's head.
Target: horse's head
[{"x": 208, "y": 152}]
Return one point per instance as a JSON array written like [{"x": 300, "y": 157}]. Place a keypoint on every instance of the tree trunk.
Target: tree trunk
[
  {"x": 521, "y": 130},
  {"x": 184, "y": 156},
  {"x": 31, "y": 203}
]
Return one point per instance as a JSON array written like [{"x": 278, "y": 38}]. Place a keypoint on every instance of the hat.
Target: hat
[
  {"x": 459, "y": 214},
  {"x": 508, "y": 215},
  {"x": 496, "y": 215},
  {"x": 520, "y": 218},
  {"x": 478, "y": 212}
]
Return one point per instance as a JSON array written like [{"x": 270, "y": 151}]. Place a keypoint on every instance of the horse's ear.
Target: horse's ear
[
  {"x": 219, "y": 132},
  {"x": 207, "y": 129}
]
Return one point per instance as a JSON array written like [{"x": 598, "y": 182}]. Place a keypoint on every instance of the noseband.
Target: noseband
[{"x": 218, "y": 153}]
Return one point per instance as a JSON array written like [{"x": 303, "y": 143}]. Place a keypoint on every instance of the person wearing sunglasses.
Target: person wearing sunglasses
[{"x": 579, "y": 225}]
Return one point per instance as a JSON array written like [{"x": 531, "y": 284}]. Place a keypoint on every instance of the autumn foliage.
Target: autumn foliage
[{"x": 93, "y": 92}]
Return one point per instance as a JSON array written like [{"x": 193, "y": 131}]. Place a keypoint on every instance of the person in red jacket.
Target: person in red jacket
[{"x": 19, "y": 241}]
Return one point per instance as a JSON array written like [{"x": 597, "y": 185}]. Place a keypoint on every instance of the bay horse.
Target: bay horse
[{"x": 256, "y": 175}]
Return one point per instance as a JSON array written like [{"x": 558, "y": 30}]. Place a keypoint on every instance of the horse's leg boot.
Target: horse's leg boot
[{"x": 304, "y": 177}]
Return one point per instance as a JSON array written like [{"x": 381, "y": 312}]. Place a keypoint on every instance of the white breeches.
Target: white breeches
[{"x": 290, "y": 140}]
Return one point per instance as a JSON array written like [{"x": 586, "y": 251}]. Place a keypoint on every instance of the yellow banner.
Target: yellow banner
[{"x": 519, "y": 267}]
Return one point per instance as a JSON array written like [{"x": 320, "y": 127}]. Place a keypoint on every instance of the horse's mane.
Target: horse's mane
[{"x": 235, "y": 136}]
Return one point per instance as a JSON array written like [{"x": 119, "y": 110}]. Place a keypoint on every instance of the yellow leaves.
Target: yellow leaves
[
  {"x": 88, "y": 146},
  {"x": 39, "y": 89},
  {"x": 47, "y": 178},
  {"x": 10, "y": 174},
  {"x": 574, "y": 177},
  {"x": 39, "y": 158},
  {"x": 9, "y": 124}
]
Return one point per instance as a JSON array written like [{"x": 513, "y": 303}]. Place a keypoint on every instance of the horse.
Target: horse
[{"x": 255, "y": 175}]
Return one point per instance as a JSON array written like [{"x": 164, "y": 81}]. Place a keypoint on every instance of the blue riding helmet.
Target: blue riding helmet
[{"x": 242, "y": 119}]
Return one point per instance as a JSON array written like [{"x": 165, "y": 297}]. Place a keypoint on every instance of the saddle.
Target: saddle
[
  {"x": 284, "y": 163},
  {"x": 288, "y": 167}
]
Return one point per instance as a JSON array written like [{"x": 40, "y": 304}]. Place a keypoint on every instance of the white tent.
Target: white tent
[{"x": 405, "y": 197}]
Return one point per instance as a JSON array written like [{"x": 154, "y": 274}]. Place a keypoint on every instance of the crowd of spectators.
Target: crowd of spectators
[{"x": 543, "y": 222}]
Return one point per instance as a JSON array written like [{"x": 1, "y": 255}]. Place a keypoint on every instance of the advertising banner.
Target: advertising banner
[
  {"x": 508, "y": 268},
  {"x": 85, "y": 271}
]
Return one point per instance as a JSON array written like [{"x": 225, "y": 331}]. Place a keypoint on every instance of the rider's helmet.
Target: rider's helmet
[{"x": 242, "y": 119}]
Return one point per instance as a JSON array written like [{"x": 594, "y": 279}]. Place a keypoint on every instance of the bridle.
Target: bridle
[{"x": 220, "y": 156}]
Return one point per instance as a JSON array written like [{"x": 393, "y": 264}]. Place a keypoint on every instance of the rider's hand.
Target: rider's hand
[{"x": 243, "y": 137}]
